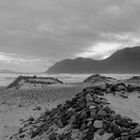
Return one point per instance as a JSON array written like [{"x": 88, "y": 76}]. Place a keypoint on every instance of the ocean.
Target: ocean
[{"x": 6, "y": 79}]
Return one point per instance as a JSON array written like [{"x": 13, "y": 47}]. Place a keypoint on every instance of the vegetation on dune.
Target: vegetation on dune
[{"x": 33, "y": 80}]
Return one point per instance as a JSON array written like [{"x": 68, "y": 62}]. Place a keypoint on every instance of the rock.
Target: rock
[
  {"x": 119, "y": 138},
  {"x": 20, "y": 105},
  {"x": 91, "y": 104},
  {"x": 123, "y": 122},
  {"x": 98, "y": 124},
  {"x": 105, "y": 136},
  {"x": 85, "y": 131},
  {"x": 102, "y": 113},
  {"x": 64, "y": 120},
  {"x": 93, "y": 114},
  {"x": 123, "y": 130},
  {"x": 108, "y": 90},
  {"x": 71, "y": 112},
  {"x": 132, "y": 137},
  {"x": 72, "y": 120},
  {"x": 123, "y": 95},
  {"x": 121, "y": 87},
  {"x": 60, "y": 124},
  {"x": 31, "y": 119},
  {"x": 101, "y": 132},
  {"x": 89, "y": 98},
  {"x": 37, "y": 108},
  {"x": 77, "y": 124},
  {"x": 83, "y": 115},
  {"x": 89, "y": 123},
  {"x": 82, "y": 104},
  {"x": 125, "y": 134},
  {"x": 13, "y": 137},
  {"x": 67, "y": 129},
  {"x": 52, "y": 136},
  {"x": 89, "y": 135},
  {"x": 133, "y": 125},
  {"x": 39, "y": 130},
  {"x": 75, "y": 134},
  {"x": 137, "y": 135},
  {"x": 104, "y": 100},
  {"x": 92, "y": 107},
  {"x": 116, "y": 130},
  {"x": 20, "y": 131},
  {"x": 107, "y": 109},
  {"x": 83, "y": 127},
  {"x": 22, "y": 136},
  {"x": 136, "y": 130},
  {"x": 45, "y": 126},
  {"x": 106, "y": 126},
  {"x": 125, "y": 137},
  {"x": 130, "y": 88},
  {"x": 33, "y": 134}
]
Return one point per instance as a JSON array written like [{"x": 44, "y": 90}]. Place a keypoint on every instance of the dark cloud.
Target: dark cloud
[{"x": 54, "y": 30}]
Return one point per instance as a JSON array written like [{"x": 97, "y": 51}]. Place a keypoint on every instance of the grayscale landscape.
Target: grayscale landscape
[{"x": 69, "y": 70}]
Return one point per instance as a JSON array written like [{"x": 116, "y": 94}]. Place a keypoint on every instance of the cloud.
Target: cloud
[
  {"x": 100, "y": 50},
  {"x": 133, "y": 1},
  {"x": 113, "y": 11},
  {"x": 55, "y": 30},
  {"x": 23, "y": 62}
]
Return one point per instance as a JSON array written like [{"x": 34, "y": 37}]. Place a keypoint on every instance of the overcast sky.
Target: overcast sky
[{"x": 36, "y": 33}]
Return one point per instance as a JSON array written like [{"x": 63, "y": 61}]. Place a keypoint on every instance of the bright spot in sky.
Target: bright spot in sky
[
  {"x": 100, "y": 50},
  {"x": 4, "y": 57}
]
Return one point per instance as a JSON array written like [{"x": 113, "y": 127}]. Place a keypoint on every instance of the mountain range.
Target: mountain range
[{"x": 122, "y": 61}]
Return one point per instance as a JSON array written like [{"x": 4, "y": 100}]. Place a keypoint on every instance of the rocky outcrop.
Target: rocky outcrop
[
  {"x": 98, "y": 79},
  {"x": 87, "y": 116},
  {"x": 30, "y": 82},
  {"x": 132, "y": 80},
  {"x": 135, "y": 78}
]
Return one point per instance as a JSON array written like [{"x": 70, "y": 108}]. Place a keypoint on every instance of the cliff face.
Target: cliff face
[{"x": 123, "y": 61}]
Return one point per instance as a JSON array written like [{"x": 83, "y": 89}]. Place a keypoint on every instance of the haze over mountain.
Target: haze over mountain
[
  {"x": 122, "y": 61},
  {"x": 7, "y": 71}
]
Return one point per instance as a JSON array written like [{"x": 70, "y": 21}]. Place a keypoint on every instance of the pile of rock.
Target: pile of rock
[
  {"x": 96, "y": 78},
  {"x": 86, "y": 117},
  {"x": 135, "y": 78},
  {"x": 120, "y": 89}
]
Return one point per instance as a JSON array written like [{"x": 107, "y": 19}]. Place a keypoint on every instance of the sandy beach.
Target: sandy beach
[
  {"x": 16, "y": 106},
  {"x": 19, "y": 105},
  {"x": 70, "y": 70}
]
